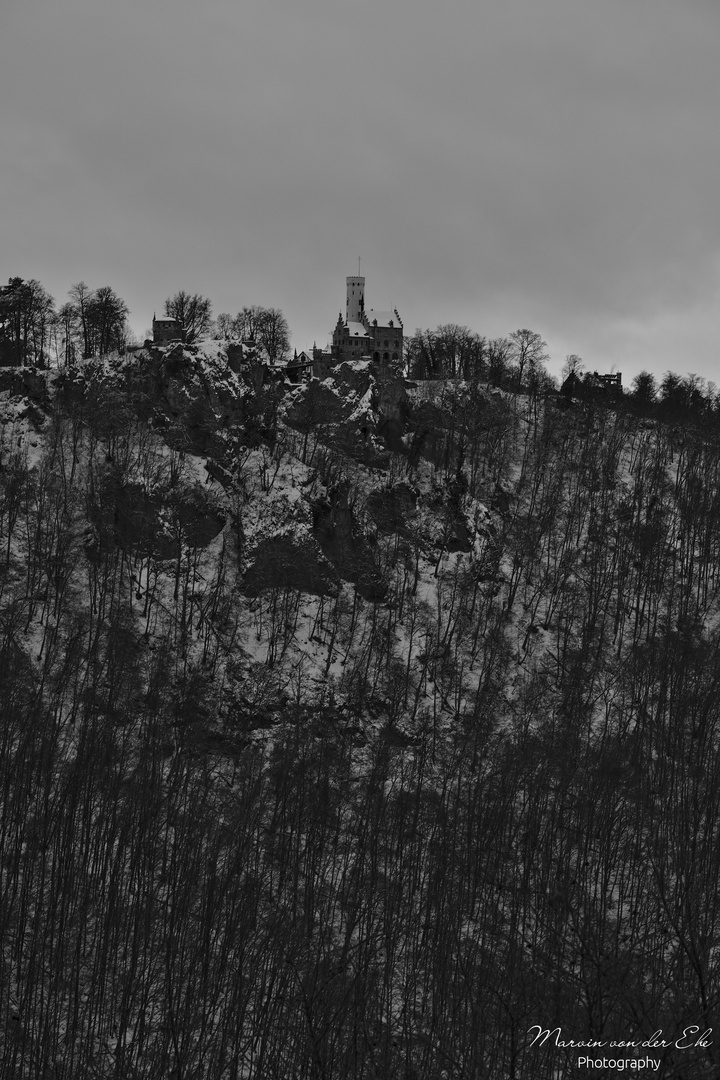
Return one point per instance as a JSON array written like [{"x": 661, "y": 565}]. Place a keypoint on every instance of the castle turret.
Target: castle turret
[{"x": 355, "y": 299}]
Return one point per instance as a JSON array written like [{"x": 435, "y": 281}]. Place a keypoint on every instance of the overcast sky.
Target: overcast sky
[{"x": 550, "y": 164}]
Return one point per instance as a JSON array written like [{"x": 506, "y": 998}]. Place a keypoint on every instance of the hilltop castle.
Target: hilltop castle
[{"x": 363, "y": 334}]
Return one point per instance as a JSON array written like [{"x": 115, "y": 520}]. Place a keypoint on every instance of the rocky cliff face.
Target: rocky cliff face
[
  {"x": 359, "y": 409},
  {"x": 335, "y": 717},
  {"x": 318, "y": 490},
  {"x": 312, "y": 526},
  {"x": 187, "y": 390}
]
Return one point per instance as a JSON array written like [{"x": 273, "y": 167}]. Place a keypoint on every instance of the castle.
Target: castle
[{"x": 362, "y": 335}]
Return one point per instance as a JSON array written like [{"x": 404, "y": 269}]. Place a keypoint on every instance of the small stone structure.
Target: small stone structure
[
  {"x": 166, "y": 329},
  {"x": 612, "y": 382},
  {"x": 300, "y": 368}
]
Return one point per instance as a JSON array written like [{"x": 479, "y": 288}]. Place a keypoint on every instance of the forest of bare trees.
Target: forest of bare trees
[
  {"x": 33, "y": 331},
  {"x": 379, "y": 828}
]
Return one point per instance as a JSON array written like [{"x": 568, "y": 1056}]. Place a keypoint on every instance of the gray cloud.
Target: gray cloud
[{"x": 549, "y": 163}]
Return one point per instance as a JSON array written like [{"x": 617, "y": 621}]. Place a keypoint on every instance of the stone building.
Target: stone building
[
  {"x": 299, "y": 368},
  {"x": 166, "y": 329},
  {"x": 364, "y": 333}
]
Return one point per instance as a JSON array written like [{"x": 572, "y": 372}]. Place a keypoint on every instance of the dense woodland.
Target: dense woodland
[{"x": 378, "y": 819}]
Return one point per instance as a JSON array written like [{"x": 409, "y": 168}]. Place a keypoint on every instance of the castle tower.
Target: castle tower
[{"x": 355, "y": 299}]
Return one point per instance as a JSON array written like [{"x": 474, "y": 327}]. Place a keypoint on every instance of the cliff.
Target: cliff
[{"x": 346, "y": 725}]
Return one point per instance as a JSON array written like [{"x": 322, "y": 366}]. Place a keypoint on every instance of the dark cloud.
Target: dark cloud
[{"x": 517, "y": 162}]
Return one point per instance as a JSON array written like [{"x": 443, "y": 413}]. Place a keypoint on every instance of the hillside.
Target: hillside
[{"x": 350, "y": 729}]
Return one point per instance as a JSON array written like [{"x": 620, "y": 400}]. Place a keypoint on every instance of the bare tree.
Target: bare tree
[
  {"x": 420, "y": 355},
  {"x": 65, "y": 333},
  {"x": 447, "y": 352},
  {"x": 107, "y": 313},
  {"x": 225, "y": 325},
  {"x": 80, "y": 297},
  {"x": 274, "y": 335},
  {"x": 644, "y": 389},
  {"x": 97, "y": 317},
  {"x": 268, "y": 328},
  {"x": 26, "y": 313},
  {"x": 247, "y": 322},
  {"x": 529, "y": 353},
  {"x": 192, "y": 312},
  {"x": 573, "y": 365},
  {"x": 498, "y": 360}
]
